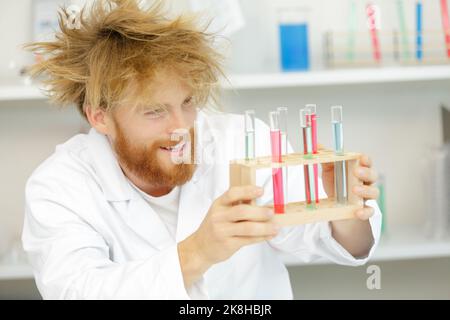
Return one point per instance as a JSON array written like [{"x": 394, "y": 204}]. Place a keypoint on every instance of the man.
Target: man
[{"x": 113, "y": 214}]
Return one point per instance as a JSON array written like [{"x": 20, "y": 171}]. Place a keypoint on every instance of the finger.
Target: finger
[
  {"x": 366, "y": 192},
  {"x": 244, "y": 212},
  {"x": 328, "y": 166},
  {"x": 364, "y": 213},
  {"x": 254, "y": 229},
  {"x": 365, "y": 161},
  {"x": 366, "y": 174},
  {"x": 240, "y": 193},
  {"x": 243, "y": 241}
]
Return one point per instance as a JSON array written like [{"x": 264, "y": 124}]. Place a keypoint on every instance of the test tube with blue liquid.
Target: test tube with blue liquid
[
  {"x": 277, "y": 172},
  {"x": 305, "y": 124},
  {"x": 283, "y": 124},
  {"x": 249, "y": 119},
  {"x": 340, "y": 171}
]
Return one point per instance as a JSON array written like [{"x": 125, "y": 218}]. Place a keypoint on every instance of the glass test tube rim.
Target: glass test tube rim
[
  {"x": 339, "y": 118},
  {"x": 249, "y": 116},
  {"x": 274, "y": 121},
  {"x": 312, "y": 107},
  {"x": 305, "y": 121}
]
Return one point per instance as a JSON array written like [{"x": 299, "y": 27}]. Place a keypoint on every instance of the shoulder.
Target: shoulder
[{"x": 66, "y": 168}]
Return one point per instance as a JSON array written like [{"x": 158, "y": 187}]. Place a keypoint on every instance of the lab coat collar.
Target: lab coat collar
[{"x": 111, "y": 177}]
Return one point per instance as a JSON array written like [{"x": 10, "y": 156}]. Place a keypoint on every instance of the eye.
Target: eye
[
  {"x": 156, "y": 113},
  {"x": 188, "y": 102}
]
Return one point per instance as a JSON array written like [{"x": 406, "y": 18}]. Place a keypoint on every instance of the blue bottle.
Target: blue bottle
[{"x": 294, "y": 46}]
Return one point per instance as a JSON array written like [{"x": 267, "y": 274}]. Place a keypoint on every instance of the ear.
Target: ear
[{"x": 99, "y": 119}]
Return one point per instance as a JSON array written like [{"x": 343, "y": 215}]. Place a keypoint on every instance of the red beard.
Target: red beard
[{"x": 142, "y": 160}]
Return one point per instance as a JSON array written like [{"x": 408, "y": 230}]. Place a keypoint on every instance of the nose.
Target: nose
[{"x": 177, "y": 121}]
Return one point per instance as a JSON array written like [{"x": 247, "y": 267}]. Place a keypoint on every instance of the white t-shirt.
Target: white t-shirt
[{"x": 165, "y": 206}]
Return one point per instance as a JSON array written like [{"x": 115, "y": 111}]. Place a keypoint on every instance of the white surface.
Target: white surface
[
  {"x": 403, "y": 243},
  {"x": 337, "y": 77},
  {"x": 281, "y": 80},
  {"x": 13, "y": 92},
  {"x": 11, "y": 272}
]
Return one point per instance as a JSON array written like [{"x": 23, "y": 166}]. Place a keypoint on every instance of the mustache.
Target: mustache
[{"x": 168, "y": 143}]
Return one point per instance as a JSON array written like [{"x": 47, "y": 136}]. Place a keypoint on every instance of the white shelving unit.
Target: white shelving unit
[
  {"x": 401, "y": 243},
  {"x": 15, "y": 272},
  {"x": 20, "y": 91},
  {"x": 337, "y": 77},
  {"x": 405, "y": 243}
]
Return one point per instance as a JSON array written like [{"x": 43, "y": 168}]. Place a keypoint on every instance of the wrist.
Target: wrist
[{"x": 193, "y": 263}]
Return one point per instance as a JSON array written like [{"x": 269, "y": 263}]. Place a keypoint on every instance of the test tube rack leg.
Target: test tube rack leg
[{"x": 243, "y": 172}]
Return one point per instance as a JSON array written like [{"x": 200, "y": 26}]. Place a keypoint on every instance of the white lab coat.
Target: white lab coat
[{"x": 90, "y": 235}]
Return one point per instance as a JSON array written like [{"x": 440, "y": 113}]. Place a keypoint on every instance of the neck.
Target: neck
[{"x": 148, "y": 188}]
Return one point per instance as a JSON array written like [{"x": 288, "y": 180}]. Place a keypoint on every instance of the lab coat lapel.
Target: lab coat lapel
[
  {"x": 195, "y": 200},
  {"x": 145, "y": 221},
  {"x": 196, "y": 195},
  {"x": 138, "y": 214}
]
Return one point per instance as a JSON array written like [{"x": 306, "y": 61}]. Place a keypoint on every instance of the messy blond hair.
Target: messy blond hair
[{"x": 118, "y": 43}]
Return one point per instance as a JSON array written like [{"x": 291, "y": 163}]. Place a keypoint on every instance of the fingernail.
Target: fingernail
[
  {"x": 358, "y": 189},
  {"x": 269, "y": 212},
  {"x": 361, "y": 172},
  {"x": 276, "y": 228}
]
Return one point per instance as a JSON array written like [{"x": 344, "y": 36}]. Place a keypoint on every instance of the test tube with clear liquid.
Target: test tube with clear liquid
[
  {"x": 277, "y": 173},
  {"x": 249, "y": 119},
  {"x": 340, "y": 170},
  {"x": 283, "y": 124},
  {"x": 312, "y": 108},
  {"x": 305, "y": 124}
]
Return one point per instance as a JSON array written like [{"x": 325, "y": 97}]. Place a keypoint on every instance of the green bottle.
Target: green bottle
[{"x": 382, "y": 202}]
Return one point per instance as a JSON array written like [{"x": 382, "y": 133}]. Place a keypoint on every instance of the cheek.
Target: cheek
[{"x": 191, "y": 115}]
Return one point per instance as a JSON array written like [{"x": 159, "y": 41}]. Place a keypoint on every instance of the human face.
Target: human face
[{"x": 144, "y": 136}]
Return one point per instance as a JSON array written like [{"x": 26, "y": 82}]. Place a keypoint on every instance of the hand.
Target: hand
[
  {"x": 365, "y": 173},
  {"x": 230, "y": 224}
]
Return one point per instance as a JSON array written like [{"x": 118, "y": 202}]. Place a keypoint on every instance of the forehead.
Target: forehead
[{"x": 165, "y": 88}]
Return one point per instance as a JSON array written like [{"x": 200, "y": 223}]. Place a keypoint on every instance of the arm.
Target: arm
[
  {"x": 354, "y": 235},
  {"x": 71, "y": 259}
]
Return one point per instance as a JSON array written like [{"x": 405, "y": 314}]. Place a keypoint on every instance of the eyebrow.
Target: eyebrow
[{"x": 155, "y": 105}]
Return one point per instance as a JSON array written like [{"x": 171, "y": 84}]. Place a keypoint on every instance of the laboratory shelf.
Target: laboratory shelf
[
  {"x": 401, "y": 243},
  {"x": 15, "y": 272},
  {"x": 18, "y": 90},
  {"x": 337, "y": 77}
]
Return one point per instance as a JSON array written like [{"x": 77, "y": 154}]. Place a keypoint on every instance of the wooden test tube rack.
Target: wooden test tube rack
[{"x": 243, "y": 172}]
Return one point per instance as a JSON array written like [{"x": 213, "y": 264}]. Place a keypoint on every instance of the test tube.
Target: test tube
[
  {"x": 283, "y": 123},
  {"x": 249, "y": 134},
  {"x": 312, "y": 108},
  {"x": 305, "y": 123},
  {"x": 340, "y": 174},
  {"x": 277, "y": 173}
]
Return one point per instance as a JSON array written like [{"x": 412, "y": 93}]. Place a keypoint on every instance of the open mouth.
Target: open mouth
[{"x": 176, "y": 149}]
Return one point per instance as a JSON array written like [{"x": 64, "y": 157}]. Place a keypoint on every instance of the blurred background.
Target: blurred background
[{"x": 386, "y": 62}]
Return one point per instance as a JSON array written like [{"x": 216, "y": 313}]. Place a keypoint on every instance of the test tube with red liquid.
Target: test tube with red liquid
[
  {"x": 283, "y": 125},
  {"x": 277, "y": 173}
]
